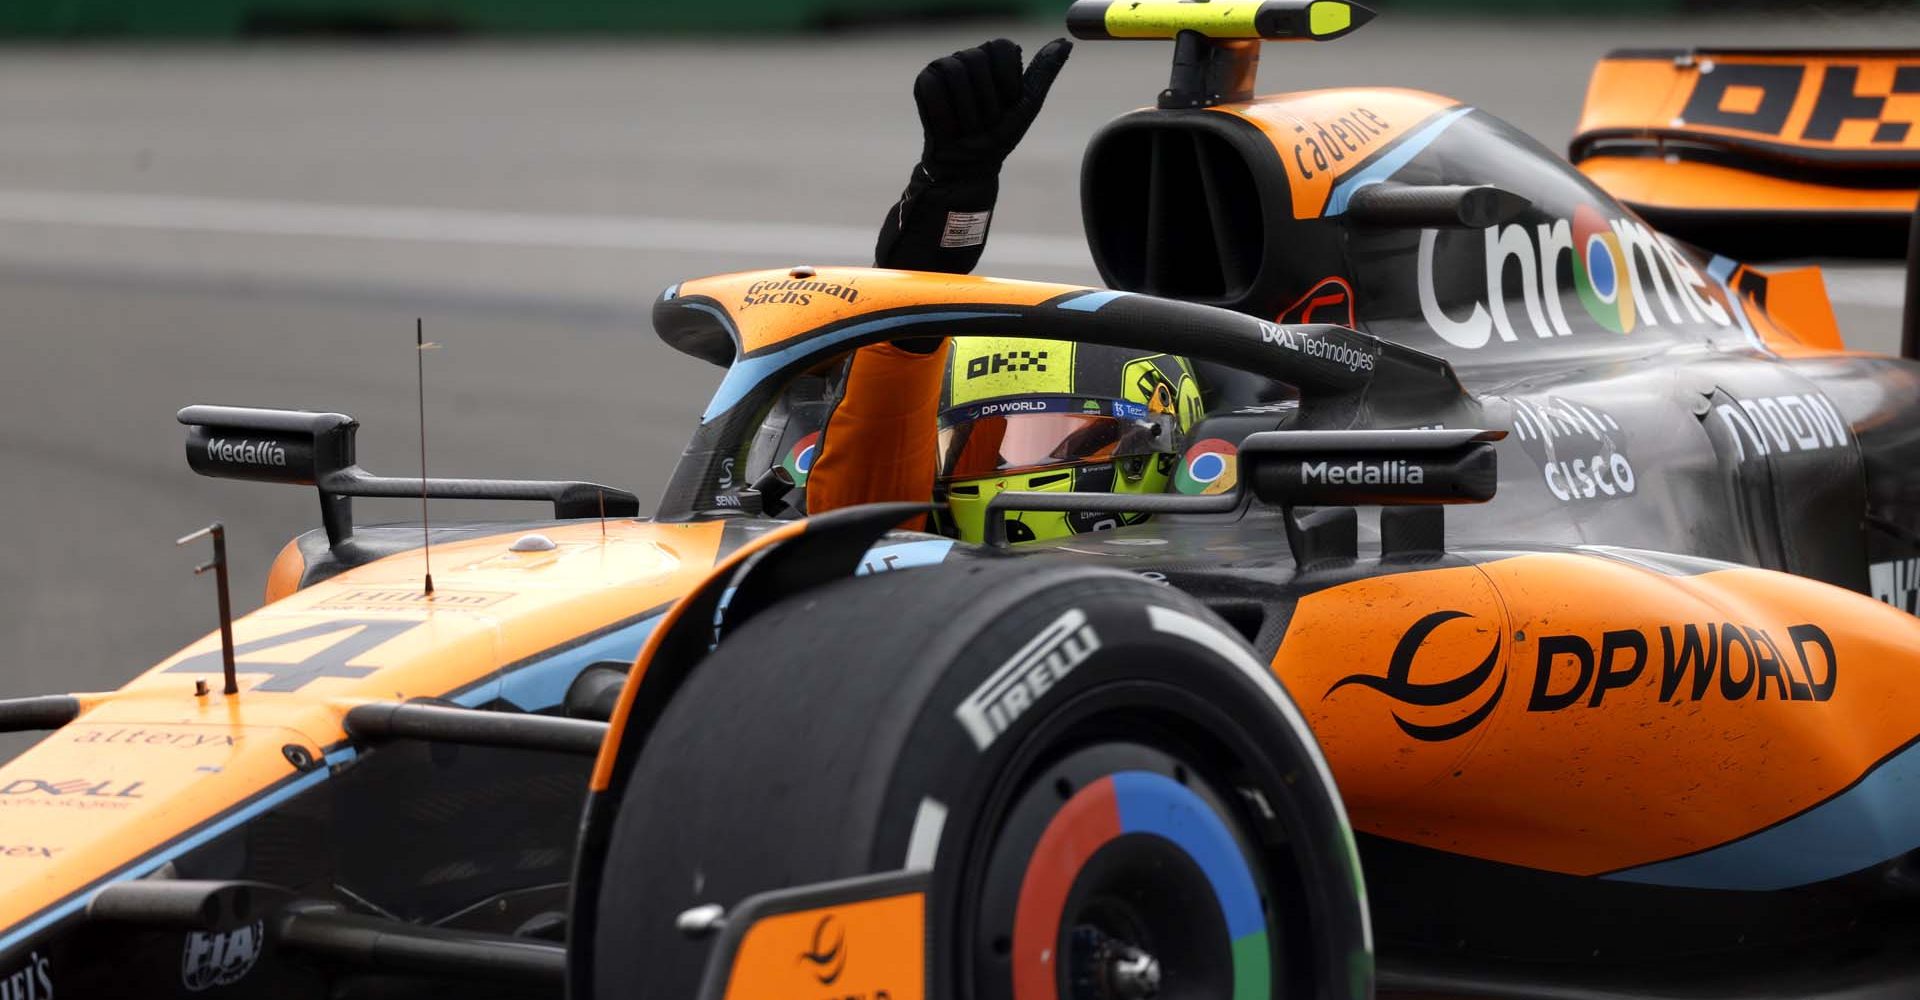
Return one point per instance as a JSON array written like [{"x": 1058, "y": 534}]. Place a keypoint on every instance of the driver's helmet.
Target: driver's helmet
[{"x": 1021, "y": 414}]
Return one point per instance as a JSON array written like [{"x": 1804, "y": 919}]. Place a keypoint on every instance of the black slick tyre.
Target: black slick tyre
[{"x": 1114, "y": 795}]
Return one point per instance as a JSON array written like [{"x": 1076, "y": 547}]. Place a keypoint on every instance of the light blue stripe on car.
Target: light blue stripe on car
[
  {"x": 1091, "y": 302},
  {"x": 748, "y": 373},
  {"x": 901, "y": 555},
  {"x": 542, "y": 685},
  {"x": 1876, "y": 820},
  {"x": 25, "y": 932},
  {"x": 1391, "y": 161}
]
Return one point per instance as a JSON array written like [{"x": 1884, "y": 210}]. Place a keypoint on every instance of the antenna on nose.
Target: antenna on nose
[
  {"x": 420, "y": 349},
  {"x": 218, "y": 532}
]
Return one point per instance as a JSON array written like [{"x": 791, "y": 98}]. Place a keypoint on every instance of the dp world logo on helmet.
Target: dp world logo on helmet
[{"x": 221, "y": 958}]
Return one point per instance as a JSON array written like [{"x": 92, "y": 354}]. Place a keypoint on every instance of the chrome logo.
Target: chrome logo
[
  {"x": 1208, "y": 467},
  {"x": 799, "y": 461},
  {"x": 1600, "y": 271}
]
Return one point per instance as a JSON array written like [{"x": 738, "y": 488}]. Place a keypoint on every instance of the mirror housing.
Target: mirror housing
[
  {"x": 1361, "y": 468},
  {"x": 303, "y": 448}
]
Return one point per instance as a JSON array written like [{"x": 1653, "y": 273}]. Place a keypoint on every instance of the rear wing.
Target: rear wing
[{"x": 1760, "y": 153}]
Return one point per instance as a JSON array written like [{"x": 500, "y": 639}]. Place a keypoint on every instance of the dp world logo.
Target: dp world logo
[
  {"x": 1399, "y": 684},
  {"x": 828, "y": 953}
]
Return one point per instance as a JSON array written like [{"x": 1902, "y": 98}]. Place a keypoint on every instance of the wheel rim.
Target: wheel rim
[{"x": 1120, "y": 875}]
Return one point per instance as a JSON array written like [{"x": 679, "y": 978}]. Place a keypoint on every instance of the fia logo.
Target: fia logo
[{"x": 220, "y": 959}]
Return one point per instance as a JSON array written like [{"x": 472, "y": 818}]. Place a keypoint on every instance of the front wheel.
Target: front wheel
[{"x": 1116, "y": 799}]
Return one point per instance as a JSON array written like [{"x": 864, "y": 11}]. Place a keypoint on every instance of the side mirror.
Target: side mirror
[
  {"x": 1356, "y": 468},
  {"x": 1410, "y": 474},
  {"x": 301, "y": 448}
]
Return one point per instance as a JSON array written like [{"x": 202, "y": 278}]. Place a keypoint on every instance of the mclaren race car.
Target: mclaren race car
[{"x": 1532, "y": 614}]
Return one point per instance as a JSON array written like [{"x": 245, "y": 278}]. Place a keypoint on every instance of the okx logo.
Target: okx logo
[
  {"x": 1399, "y": 684},
  {"x": 1008, "y": 361}
]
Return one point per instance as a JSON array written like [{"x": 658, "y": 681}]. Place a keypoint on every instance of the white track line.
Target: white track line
[{"x": 509, "y": 229}]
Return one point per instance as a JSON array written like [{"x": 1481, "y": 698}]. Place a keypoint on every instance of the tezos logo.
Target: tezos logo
[
  {"x": 32, "y": 981},
  {"x": 828, "y": 952},
  {"x": 220, "y": 959},
  {"x": 1026, "y": 677},
  {"x": 1399, "y": 684}
]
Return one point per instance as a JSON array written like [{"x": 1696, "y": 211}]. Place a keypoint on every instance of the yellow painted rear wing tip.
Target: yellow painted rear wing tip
[{"x": 1267, "y": 20}]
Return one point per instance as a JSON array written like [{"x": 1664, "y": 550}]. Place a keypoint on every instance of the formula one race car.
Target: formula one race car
[{"x": 1627, "y": 721}]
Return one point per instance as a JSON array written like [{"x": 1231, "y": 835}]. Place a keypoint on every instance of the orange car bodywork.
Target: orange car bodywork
[
  {"x": 1619, "y": 714},
  {"x": 150, "y": 768},
  {"x": 1819, "y": 109}
]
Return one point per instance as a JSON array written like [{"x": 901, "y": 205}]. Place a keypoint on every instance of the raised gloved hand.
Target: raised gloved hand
[{"x": 976, "y": 105}]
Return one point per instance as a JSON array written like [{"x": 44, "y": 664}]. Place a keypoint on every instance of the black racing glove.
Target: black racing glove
[{"x": 975, "y": 106}]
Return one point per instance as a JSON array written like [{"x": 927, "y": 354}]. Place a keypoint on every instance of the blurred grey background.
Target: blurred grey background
[{"x": 259, "y": 221}]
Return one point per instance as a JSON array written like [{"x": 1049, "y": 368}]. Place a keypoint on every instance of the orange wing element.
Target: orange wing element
[
  {"x": 1652, "y": 181},
  {"x": 1812, "y": 131},
  {"x": 1821, "y": 101},
  {"x": 770, "y": 307},
  {"x": 880, "y": 441},
  {"x": 1320, "y": 136},
  {"x": 152, "y": 763},
  {"x": 1789, "y": 309},
  {"x": 1581, "y": 714},
  {"x": 871, "y": 948},
  {"x": 283, "y": 577}
]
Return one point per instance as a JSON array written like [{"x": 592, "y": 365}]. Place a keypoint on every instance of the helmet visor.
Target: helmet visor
[{"x": 1024, "y": 435}]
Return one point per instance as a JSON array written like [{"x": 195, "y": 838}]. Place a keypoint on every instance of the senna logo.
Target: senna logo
[
  {"x": 1399, "y": 684},
  {"x": 828, "y": 959}
]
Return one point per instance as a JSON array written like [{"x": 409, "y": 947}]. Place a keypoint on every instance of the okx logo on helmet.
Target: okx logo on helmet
[{"x": 1024, "y": 415}]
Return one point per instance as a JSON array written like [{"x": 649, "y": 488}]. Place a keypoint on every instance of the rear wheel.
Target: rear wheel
[{"x": 1115, "y": 797}]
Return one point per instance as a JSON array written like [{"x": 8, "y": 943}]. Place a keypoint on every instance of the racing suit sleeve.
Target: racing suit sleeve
[{"x": 975, "y": 105}]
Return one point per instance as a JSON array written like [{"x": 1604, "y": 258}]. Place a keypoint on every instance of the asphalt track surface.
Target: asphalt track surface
[{"x": 262, "y": 225}]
